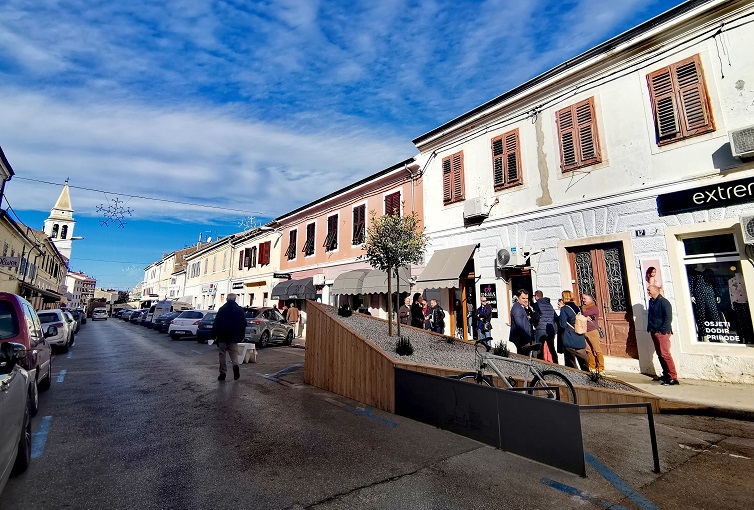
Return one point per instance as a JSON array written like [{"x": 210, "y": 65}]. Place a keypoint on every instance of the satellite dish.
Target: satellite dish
[{"x": 503, "y": 257}]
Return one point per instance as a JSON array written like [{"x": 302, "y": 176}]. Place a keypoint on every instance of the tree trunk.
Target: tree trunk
[
  {"x": 389, "y": 303},
  {"x": 398, "y": 293}
]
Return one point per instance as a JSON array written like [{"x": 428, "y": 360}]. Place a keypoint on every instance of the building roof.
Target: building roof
[
  {"x": 604, "y": 48},
  {"x": 5, "y": 164}
]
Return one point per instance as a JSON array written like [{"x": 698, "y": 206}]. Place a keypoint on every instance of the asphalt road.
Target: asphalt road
[{"x": 136, "y": 421}]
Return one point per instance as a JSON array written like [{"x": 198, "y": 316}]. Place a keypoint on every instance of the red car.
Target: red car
[{"x": 19, "y": 324}]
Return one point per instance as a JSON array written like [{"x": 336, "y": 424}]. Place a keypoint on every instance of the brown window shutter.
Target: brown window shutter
[
  {"x": 662, "y": 94},
  {"x": 393, "y": 203},
  {"x": 359, "y": 218},
  {"x": 568, "y": 140},
  {"x": 498, "y": 166},
  {"x": 458, "y": 176},
  {"x": 267, "y": 252},
  {"x": 447, "y": 189},
  {"x": 512, "y": 158},
  {"x": 253, "y": 257},
  {"x": 692, "y": 94},
  {"x": 589, "y": 143}
]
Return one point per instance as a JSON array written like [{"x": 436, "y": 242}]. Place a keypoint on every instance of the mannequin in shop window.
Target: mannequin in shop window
[
  {"x": 703, "y": 298},
  {"x": 740, "y": 307}
]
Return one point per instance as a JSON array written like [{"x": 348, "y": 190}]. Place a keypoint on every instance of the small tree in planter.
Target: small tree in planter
[
  {"x": 403, "y": 346},
  {"x": 392, "y": 242}
]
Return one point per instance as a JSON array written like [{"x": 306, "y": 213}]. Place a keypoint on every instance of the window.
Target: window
[
  {"x": 393, "y": 203},
  {"x": 55, "y": 228},
  {"x": 253, "y": 257},
  {"x": 265, "y": 250},
  {"x": 452, "y": 178},
  {"x": 679, "y": 101},
  {"x": 331, "y": 241},
  {"x": 206, "y": 265},
  {"x": 359, "y": 224},
  {"x": 291, "y": 253},
  {"x": 64, "y": 232},
  {"x": 506, "y": 160},
  {"x": 579, "y": 139},
  {"x": 241, "y": 258},
  {"x": 309, "y": 246},
  {"x": 214, "y": 263},
  {"x": 5, "y": 249},
  {"x": 247, "y": 258},
  {"x": 225, "y": 260},
  {"x": 719, "y": 298}
]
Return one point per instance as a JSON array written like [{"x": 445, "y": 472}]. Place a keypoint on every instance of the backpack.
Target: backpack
[{"x": 579, "y": 324}]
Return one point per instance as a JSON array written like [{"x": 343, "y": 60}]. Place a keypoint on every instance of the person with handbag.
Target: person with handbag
[
  {"x": 574, "y": 343},
  {"x": 545, "y": 327},
  {"x": 484, "y": 323},
  {"x": 594, "y": 332},
  {"x": 521, "y": 332}
]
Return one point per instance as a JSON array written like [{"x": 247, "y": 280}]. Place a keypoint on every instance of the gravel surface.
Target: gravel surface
[{"x": 431, "y": 350}]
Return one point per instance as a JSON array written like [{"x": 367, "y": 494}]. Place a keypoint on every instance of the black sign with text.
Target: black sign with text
[
  {"x": 706, "y": 197},
  {"x": 489, "y": 291},
  {"x": 282, "y": 276}
]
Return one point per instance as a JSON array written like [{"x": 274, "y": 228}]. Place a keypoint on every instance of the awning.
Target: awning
[
  {"x": 375, "y": 282},
  {"x": 445, "y": 267},
  {"x": 295, "y": 289},
  {"x": 48, "y": 296},
  {"x": 350, "y": 282}
]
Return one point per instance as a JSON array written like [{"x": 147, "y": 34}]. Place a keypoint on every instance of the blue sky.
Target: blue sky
[{"x": 254, "y": 106}]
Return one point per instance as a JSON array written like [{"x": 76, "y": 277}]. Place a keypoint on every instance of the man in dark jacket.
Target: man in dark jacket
[
  {"x": 545, "y": 325},
  {"x": 436, "y": 317},
  {"x": 229, "y": 329},
  {"x": 520, "y": 326},
  {"x": 658, "y": 324}
]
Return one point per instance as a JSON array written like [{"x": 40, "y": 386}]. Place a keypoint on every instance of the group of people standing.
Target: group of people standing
[
  {"x": 420, "y": 314},
  {"x": 536, "y": 327}
]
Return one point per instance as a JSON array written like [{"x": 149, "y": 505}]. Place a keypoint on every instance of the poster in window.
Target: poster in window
[
  {"x": 489, "y": 291},
  {"x": 651, "y": 271},
  {"x": 720, "y": 303}
]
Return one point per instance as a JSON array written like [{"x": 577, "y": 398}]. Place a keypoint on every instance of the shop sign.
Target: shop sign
[
  {"x": 238, "y": 285},
  {"x": 489, "y": 291},
  {"x": 11, "y": 262},
  {"x": 284, "y": 276},
  {"x": 706, "y": 197}
]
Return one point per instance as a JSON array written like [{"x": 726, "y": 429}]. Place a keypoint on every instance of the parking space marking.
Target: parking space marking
[
  {"x": 69, "y": 355},
  {"x": 40, "y": 437},
  {"x": 274, "y": 377},
  {"x": 617, "y": 482},
  {"x": 198, "y": 352},
  {"x": 573, "y": 491},
  {"x": 61, "y": 375},
  {"x": 367, "y": 413}
]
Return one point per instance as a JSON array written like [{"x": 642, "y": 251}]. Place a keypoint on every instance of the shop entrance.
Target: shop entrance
[{"x": 600, "y": 270}]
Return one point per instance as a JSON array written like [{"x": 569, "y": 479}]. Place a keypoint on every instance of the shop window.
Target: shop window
[{"x": 717, "y": 290}]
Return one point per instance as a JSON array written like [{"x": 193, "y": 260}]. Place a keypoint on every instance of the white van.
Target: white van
[
  {"x": 99, "y": 313},
  {"x": 166, "y": 306}
]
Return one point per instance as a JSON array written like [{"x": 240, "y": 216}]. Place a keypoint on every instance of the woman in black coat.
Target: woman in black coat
[{"x": 417, "y": 312}]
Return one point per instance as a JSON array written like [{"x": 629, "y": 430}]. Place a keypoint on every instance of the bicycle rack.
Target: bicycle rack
[{"x": 650, "y": 420}]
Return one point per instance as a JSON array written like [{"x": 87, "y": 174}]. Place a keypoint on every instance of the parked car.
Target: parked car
[
  {"x": 83, "y": 315},
  {"x": 65, "y": 336},
  {"x": 71, "y": 322},
  {"x": 134, "y": 317},
  {"x": 77, "y": 319},
  {"x": 204, "y": 330},
  {"x": 166, "y": 306},
  {"x": 126, "y": 314},
  {"x": 162, "y": 322},
  {"x": 265, "y": 325},
  {"x": 99, "y": 313},
  {"x": 146, "y": 320},
  {"x": 20, "y": 324},
  {"x": 15, "y": 407},
  {"x": 142, "y": 320},
  {"x": 186, "y": 323}
]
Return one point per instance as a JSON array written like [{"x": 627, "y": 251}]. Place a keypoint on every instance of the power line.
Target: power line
[
  {"x": 259, "y": 213},
  {"x": 114, "y": 261}
]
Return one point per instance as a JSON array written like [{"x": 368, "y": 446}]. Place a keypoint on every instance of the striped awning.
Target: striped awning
[{"x": 350, "y": 282}]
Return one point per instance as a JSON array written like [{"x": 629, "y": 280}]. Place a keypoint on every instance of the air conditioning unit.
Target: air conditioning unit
[
  {"x": 476, "y": 209},
  {"x": 742, "y": 142},
  {"x": 512, "y": 257},
  {"x": 318, "y": 279},
  {"x": 747, "y": 228}
]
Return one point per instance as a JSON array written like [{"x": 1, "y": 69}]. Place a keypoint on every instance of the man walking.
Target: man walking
[
  {"x": 658, "y": 324},
  {"x": 228, "y": 329},
  {"x": 293, "y": 316},
  {"x": 520, "y": 334}
]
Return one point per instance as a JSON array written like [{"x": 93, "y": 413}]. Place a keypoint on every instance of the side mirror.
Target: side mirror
[
  {"x": 51, "y": 331},
  {"x": 11, "y": 353}
]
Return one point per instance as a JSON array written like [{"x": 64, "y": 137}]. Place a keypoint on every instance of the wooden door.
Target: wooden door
[{"x": 601, "y": 272}]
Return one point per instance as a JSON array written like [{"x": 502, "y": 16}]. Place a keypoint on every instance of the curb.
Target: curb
[{"x": 686, "y": 408}]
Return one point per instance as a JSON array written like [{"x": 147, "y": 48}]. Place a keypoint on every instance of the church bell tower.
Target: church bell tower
[{"x": 59, "y": 225}]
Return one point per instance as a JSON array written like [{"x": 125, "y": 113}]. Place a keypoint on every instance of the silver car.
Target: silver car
[
  {"x": 265, "y": 325},
  {"x": 57, "y": 318}
]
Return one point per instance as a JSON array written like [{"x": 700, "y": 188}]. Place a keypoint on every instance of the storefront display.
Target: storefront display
[{"x": 717, "y": 290}]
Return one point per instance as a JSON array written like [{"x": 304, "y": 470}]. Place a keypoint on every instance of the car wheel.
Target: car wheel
[
  {"x": 23, "y": 458},
  {"x": 289, "y": 338},
  {"x": 34, "y": 395},
  {"x": 73, "y": 339},
  {"x": 65, "y": 347},
  {"x": 45, "y": 384},
  {"x": 174, "y": 336},
  {"x": 264, "y": 341}
]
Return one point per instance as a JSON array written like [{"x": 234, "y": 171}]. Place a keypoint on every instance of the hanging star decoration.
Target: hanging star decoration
[{"x": 114, "y": 212}]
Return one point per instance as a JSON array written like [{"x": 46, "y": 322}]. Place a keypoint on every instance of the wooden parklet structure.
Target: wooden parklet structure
[{"x": 340, "y": 360}]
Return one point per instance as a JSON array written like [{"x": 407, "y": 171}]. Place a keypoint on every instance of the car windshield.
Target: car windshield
[
  {"x": 251, "y": 314},
  {"x": 46, "y": 318},
  {"x": 8, "y": 320},
  {"x": 210, "y": 317}
]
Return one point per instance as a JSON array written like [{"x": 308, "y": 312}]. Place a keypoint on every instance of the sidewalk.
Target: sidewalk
[{"x": 695, "y": 396}]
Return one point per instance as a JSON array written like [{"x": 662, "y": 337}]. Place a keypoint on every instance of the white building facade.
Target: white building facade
[{"x": 611, "y": 172}]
